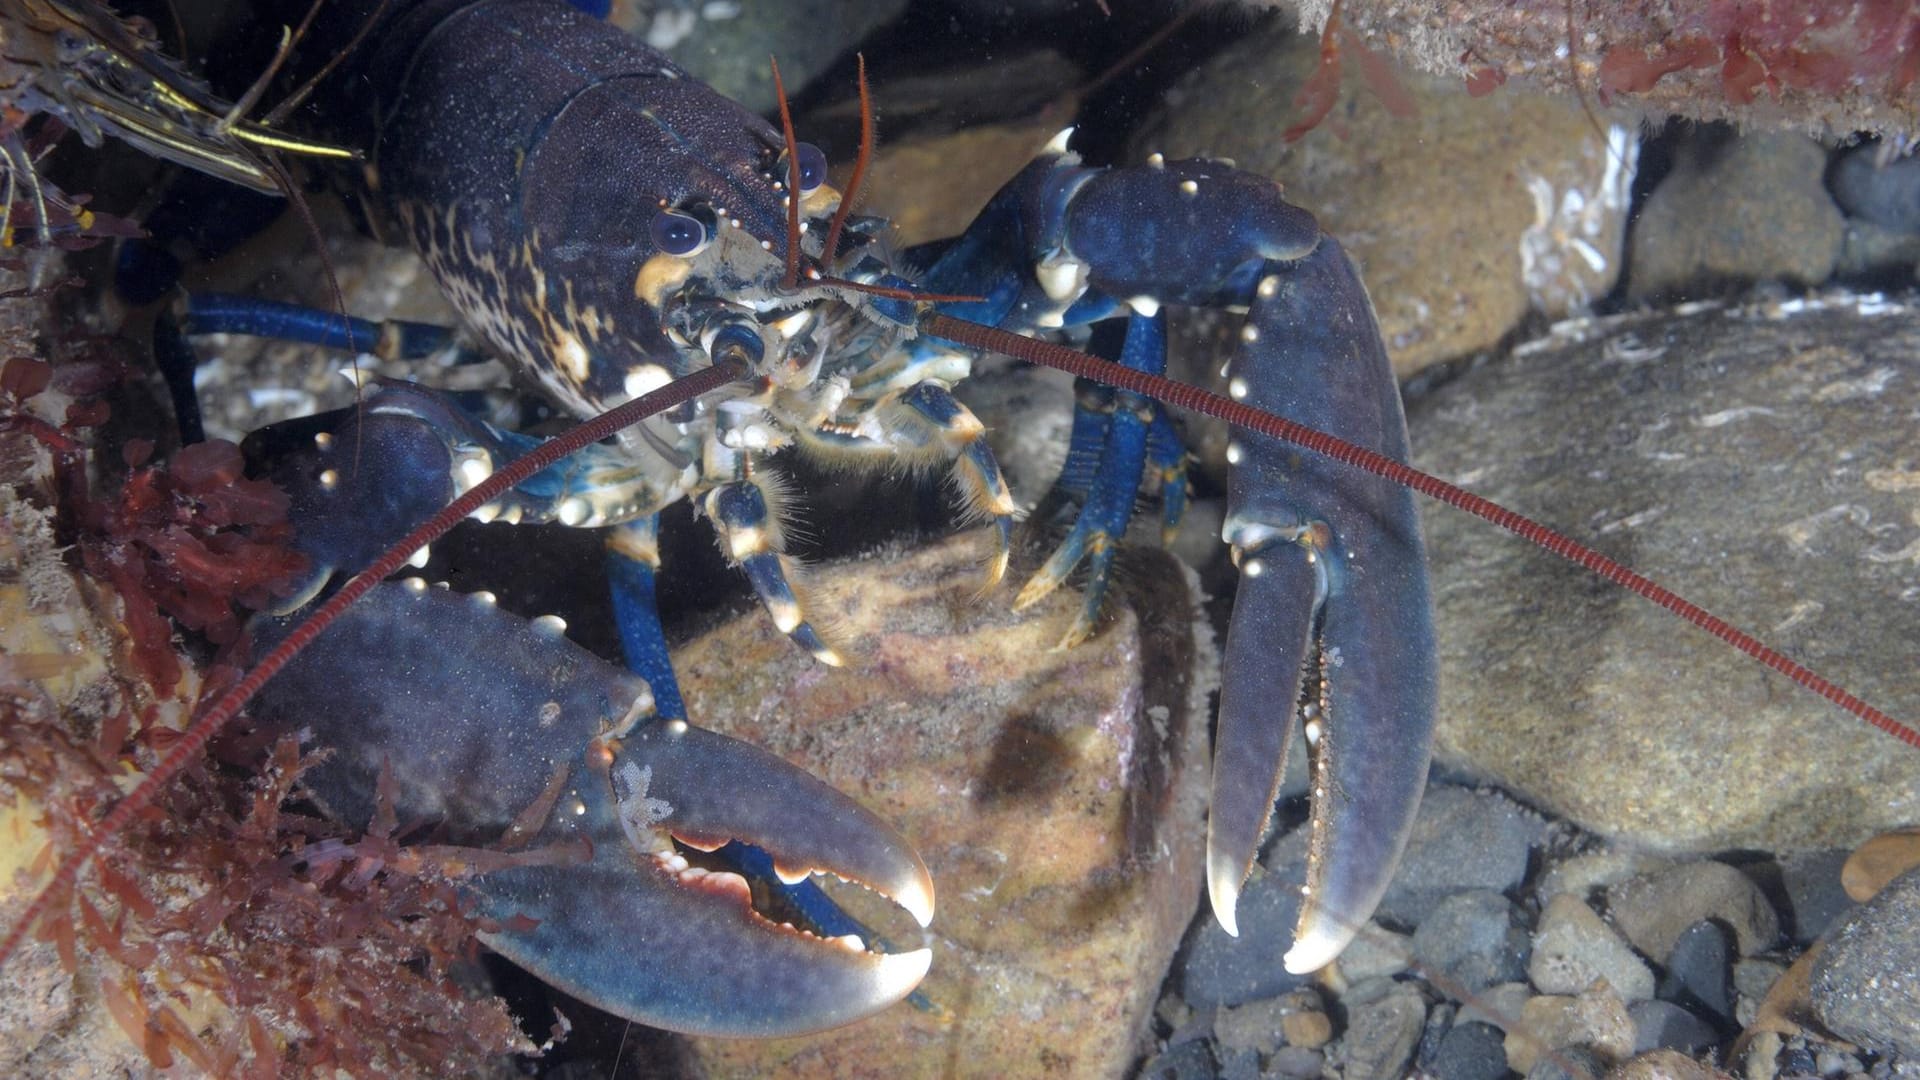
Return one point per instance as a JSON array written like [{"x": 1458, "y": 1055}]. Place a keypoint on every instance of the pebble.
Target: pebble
[
  {"x": 1596, "y": 1019},
  {"x": 1865, "y": 985},
  {"x": 1470, "y": 941},
  {"x": 1381, "y": 1035},
  {"x": 1376, "y": 951},
  {"x": 1463, "y": 839},
  {"x": 1573, "y": 947},
  {"x": 1662, "y": 1025},
  {"x": 1585, "y": 875},
  {"x": 1653, "y": 910},
  {"x": 1569, "y": 1063},
  {"x": 1224, "y": 970},
  {"x": 1188, "y": 1061},
  {"x": 1499, "y": 1006},
  {"x": 1816, "y": 898},
  {"x": 1887, "y": 196},
  {"x": 1296, "y": 1063},
  {"x": 1470, "y": 1051},
  {"x": 1667, "y": 1065},
  {"x": 1699, "y": 972},
  {"x": 1310, "y": 1029},
  {"x": 1737, "y": 208}
]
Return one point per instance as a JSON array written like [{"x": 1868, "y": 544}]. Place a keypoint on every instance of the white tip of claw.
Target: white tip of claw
[
  {"x": 917, "y": 898},
  {"x": 899, "y": 973},
  {"x": 1058, "y": 144},
  {"x": 1223, "y": 889},
  {"x": 1315, "y": 948}
]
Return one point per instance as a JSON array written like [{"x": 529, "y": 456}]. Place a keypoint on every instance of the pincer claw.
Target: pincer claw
[{"x": 478, "y": 716}]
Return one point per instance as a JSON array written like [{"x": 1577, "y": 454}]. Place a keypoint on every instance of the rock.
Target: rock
[
  {"x": 1471, "y": 941},
  {"x": 1469, "y": 1051},
  {"x": 1752, "y": 978},
  {"x": 1188, "y": 1061},
  {"x": 1568, "y": 1063},
  {"x": 1885, "y": 195},
  {"x": 1296, "y": 1063},
  {"x": 1223, "y": 970},
  {"x": 1498, "y": 1006},
  {"x": 1699, "y": 973},
  {"x": 726, "y": 45},
  {"x": 1463, "y": 839},
  {"x": 1381, "y": 1035},
  {"x": 1654, "y": 910},
  {"x": 1310, "y": 1029},
  {"x": 1584, "y": 875},
  {"x": 1749, "y": 457},
  {"x": 1866, "y": 983},
  {"x": 1877, "y": 254},
  {"x": 1253, "y": 1026},
  {"x": 1595, "y": 1020},
  {"x": 1240, "y": 1065},
  {"x": 1057, "y": 797},
  {"x": 1573, "y": 947},
  {"x": 1662, "y": 1025},
  {"x": 1665, "y": 1065},
  {"x": 1737, "y": 208},
  {"x": 1462, "y": 216},
  {"x": 1815, "y": 895},
  {"x": 1376, "y": 951}
]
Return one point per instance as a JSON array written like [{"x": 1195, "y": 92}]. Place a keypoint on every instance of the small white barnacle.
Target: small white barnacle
[
  {"x": 1189, "y": 187},
  {"x": 1249, "y": 333},
  {"x": 550, "y": 626},
  {"x": 639, "y": 812},
  {"x": 329, "y": 478}
]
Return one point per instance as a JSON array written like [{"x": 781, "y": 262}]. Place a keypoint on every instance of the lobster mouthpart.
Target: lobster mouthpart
[{"x": 496, "y": 726}]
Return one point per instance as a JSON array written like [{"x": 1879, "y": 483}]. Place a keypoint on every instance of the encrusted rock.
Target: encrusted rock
[
  {"x": 1055, "y": 795},
  {"x": 1866, "y": 983},
  {"x": 1759, "y": 460},
  {"x": 1573, "y": 947}
]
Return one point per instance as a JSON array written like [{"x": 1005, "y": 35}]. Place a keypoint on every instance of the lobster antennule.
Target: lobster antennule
[
  {"x": 1195, "y": 399},
  {"x": 860, "y": 162}
]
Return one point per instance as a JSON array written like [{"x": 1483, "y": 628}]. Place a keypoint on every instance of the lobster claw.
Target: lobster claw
[
  {"x": 495, "y": 726},
  {"x": 1332, "y": 618}
]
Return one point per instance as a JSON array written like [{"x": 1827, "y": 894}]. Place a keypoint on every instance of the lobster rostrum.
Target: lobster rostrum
[
  {"x": 613, "y": 226},
  {"x": 610, "y": 224}
]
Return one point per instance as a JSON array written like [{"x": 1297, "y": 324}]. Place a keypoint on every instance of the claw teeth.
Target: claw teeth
[
  {"x": 1314, "y": 948},
  {"x": 917, "y": 897},
  {"x": 898, "y": 973},
  {"x": 791, "y": 877},
  {"x": 853, "y": 943}
]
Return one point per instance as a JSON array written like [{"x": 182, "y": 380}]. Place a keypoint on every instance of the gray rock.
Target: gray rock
[
  {"x": 730, "y": 52},
  {"x": 1569, "y": 1063},
  {"x": 1497, "y": 1006},
  {"x": 1381, "y": 1035},
  {"x": 1254, "y": 1026},
  {"x": 1584, "y": 875},
  {"x": 1471, "y": 941},
  {"x": 1887, "y": 196},
  {"x": 1757, "y": 459},
  {"x": 1653, "y": 910},
  {"x": 1463, "y": 839},
  {"x": 1866, "y": 982},
  {"x": 1815, "y": 897},
  {"x": 1737, "y": 208},
  {"x": 1223, "y": 970},
  {"x": 1239, "y": 1065},
  {"x": 1662, "y": 1025},
  {"x": 1470, "y": 1051},
  {"x": 1376, "y": 951},
  {"x": 1573, "y": 947},
  {"x": 1296, "y": 1063},
  {"x": 1188, "y": 1061},
  {"x": 1699, "y": 972}
]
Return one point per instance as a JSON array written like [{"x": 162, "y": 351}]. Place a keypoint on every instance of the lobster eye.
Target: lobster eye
[
  {"x": 813, "y": 167},
  {"x": 677, "y": 232}
]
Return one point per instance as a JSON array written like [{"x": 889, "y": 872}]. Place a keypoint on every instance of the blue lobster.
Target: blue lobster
[{"x": 609, "y": 224}]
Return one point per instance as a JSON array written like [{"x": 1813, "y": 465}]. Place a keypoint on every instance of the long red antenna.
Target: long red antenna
[
  {"x": 1233, "y": 412},
  {"x": 860, "y": 163},
  {"x": 194, "y": 738}
]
